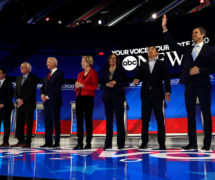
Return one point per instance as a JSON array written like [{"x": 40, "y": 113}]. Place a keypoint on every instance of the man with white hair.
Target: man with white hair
[
  {"x": 52, "y": 101},
  {"x": 25, "y": 96}
]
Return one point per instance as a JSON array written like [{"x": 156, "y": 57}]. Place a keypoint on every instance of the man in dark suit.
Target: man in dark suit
[
  {"x": 152, "y": 74},
  {"x": 6, "y": 105},
  {"x": 199, "y": 62},
  {"x": 25, "y": 96},
  {"x": 52, "y": 101}
]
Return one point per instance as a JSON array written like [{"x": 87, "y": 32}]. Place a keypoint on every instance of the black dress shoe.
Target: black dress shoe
[
  {"x": 121, "y": 147},
  {"x": 78, "y": 147},
  {"x": 162, "y": 147},
  {"x": 17, "y": 145},
  {"x": 190, "y": 147},
  {"x": 143, "y": 146},
  {"x": 46, "y": 145},
  {"x": 88, "y": 146},
  {"x": 206, "y": 148},
  {"x": 56, "y": 145},
  {"x": 25, "y": 145},
  {"x": 4, "y": 145}
]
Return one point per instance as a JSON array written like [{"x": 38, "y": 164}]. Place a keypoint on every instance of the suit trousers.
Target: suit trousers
[
  {"x": 5, "y": 118},
  {"x": 84, "y": 110},
  {"x": 116, "y": 107},
  {"x": 24, "y": 115},
  {"x": 204, "y": 96},
  {"x": 156, "y": 104},
  {"x": 52, "y": 119}
]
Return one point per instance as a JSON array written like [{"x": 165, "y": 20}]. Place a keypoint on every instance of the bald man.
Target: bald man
[
  {"x": 52, "y": 101},
  {"x": 25, "y": 96}
]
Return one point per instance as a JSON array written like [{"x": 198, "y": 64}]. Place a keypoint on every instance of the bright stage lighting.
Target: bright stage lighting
[
  {"x": 154, "y": 16},
  {"x": 99, "y": 21},
  {"x": 47, "y": 19}
]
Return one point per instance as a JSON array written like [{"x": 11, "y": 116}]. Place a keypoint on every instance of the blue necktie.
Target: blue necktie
[{"x": 194, "y": 53}]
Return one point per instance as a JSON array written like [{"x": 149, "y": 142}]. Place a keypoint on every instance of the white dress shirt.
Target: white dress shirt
[
  {"x": 199, "y": 47},
  {"x": 151, "y": 64},
  {"x": 52, "y": 72},
  {"x": 1, "y": 82}
]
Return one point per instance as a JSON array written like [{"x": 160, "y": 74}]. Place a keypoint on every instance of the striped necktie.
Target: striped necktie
[
  {"x": 195, "y": 50},
  {"x": 49, "y": 75}
]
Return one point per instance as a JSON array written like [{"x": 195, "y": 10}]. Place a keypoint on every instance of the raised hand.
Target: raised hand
[{"x": 164, "y": 22}]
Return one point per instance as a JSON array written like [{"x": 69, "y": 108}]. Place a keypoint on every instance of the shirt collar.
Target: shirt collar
[
  {"x": 53, "y": 70},
  {"x": 154, "y": 60},
  {"x": 2, "y": 81},
  {"x": 25, "y": 75},
  {"x": 200, "y": 44}
]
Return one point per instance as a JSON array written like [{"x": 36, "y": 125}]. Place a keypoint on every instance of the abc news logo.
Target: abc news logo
[{"x": 130, "y": 63}]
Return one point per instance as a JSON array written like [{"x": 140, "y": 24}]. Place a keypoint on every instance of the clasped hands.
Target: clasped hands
[
  {"x": 44, "y": 98},
  {"x": 20, "y": 102},
  {"x": 136, "y": 81},
  {"x": 79, "y": 85},
  {"x": 111, "y": 84}
]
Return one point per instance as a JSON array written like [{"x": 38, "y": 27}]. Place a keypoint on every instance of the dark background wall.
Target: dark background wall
[{"x": 34, "y": 43}]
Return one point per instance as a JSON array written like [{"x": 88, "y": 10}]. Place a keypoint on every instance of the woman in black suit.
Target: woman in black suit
[{"x": 113, "y": 81}]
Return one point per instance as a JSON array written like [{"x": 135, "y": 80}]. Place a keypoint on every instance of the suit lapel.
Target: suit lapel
[
  {"x": 2, "y": 84},
  {"x": 147, "y": 67},
  {"x": 28, "y": 77},
  {"x": 86, "y": 77},
  {"x": 53, "y": 75},
  {"x": 200, "y": 53},
  {"x": 155, "y": 67}
]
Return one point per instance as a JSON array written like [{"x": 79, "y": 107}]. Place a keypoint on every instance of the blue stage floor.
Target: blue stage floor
[{"x": 94, "y": 164}]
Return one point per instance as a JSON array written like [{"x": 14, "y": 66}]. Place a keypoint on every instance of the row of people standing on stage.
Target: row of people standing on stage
[
  {"x": 25, "y": 98},
  {"x": 199, "y": 62},
  {"x": 113, "y": 81}
]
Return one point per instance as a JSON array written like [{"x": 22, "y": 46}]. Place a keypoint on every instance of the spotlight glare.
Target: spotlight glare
[
  {"x": 47, "y": 19},
  {"x": 99, "y": 21},
  {"x": 154, "y": 16}
]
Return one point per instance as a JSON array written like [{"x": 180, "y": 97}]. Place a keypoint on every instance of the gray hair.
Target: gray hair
[
  {"x": 53, "y": 59},
  {"x": 28, "y": 65},
  {"x": 88, "y": 59}
]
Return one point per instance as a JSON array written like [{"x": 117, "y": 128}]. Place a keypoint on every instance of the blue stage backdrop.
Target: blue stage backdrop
[{"x": 35, "y": 43}]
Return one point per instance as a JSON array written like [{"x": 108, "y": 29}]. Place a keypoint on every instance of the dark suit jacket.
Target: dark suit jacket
[
  {"x": 6, "y": 94},
  {"x": 205, "y": 61},
  {"x": 27, "y": 90},
  {"x": 152, "y": 84},
  {"x": 117, "y": 92},
  {"x": 52, "y": 87}
]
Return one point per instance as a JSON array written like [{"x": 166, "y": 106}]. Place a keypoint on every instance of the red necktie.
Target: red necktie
[{"x": 49, "y": 75}]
